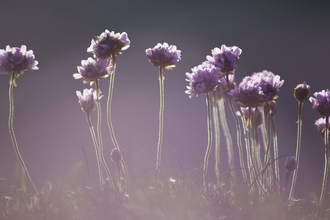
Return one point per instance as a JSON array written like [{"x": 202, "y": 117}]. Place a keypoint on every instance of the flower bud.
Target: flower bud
[
  {"x": 301, "y": 92},
  {"x": 291, "y": 163},
  {"x": 115, "y": 155}
]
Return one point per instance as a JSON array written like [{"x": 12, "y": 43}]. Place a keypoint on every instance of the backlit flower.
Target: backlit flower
[
  {"x": 203, "y": 79},
  {"x": 321, "y": 102},
  {"x": 92, "y": 70},
  {"x": 248, "y": 93},
  {"x": 16, "y": 60},
  {"x": 320, "y": 125},
  {"x": 269, "y": 83},
  {"x": 108, "y": 44},
  {"x": 164, "y": 55},
  {"x": 87, "y": 100},
  {"x": 223, "y": 83},
  {"x": 225, "y": 58}
]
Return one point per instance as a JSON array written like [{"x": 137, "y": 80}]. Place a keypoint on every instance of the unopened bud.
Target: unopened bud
[
  {"x": 301, "y": 92},
  {"x": 291, "y": 163},
  {"x": 115, "y": 155}
]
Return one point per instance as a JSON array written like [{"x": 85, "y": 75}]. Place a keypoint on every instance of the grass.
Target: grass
[{"x": 177, "y": 199}]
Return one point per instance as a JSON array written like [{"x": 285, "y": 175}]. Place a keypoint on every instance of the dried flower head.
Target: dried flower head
[
  {"x": 225, "y": 58},
  {"x": 87, "y": 100},
  {"x": 269, "y": 83},
  {"x": 164, "y": 55},
  {"x": 17, "y": 60},
  {"x": 291, "y": 163},
  {"x": 301, "y": 92},
  {"x": 115, "y": 155},
  {"x": 248, "y": 93},
  {"x": 92, "y": 70},
  {"x": 321, "y": 102},
  {"x": 108, "y": 44},
  {"x": 203, "y": 79}
]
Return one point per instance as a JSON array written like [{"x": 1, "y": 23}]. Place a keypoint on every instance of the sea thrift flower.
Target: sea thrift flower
[
  {"x": 290, "y": 163},
  {"x": 269, "y": 83},
  {"x": 17, "y": 60},
  {"x": 204, "y": 78},
  {"x": 108, "y": 44},
  {"x": 225, "y": 58},
  {"x": 92, "y": 70},
  {"x": 164, "y": 55},
  {"x": 320, "y": 125},
  {"x": 87, "y": 100},
  {"x": 301, "y": 92},
  {"x": 321, "y": 102},
  {"x": 248, "y": 93}
]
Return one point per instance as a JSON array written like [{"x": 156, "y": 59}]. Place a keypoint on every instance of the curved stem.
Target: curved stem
[
  {"x": 111, "y": 130},
  {"x": 161, "y": 121},
  {"x": 295, "y": 173},
  {"x": 209, "y": 141},
  {"x": 238, "y": 128},
  {"x": 91, "y": 129},
  {"x": 12, "y": 83}
]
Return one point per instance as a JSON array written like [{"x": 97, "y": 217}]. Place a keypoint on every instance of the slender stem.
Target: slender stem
[
  {"x": 275, "y": 148},
  {"x": 229, "y": 141},
  {"x": 12, "y": 83},
  {"x": 238, "y": 128},
  {"x": 217, "y": 137},
  {"x": 161, "y": 119},
  {"x": 91, "y": 129},
  {"x": 326, "y": 162},
  {"x": 99, "y": 132},
  {"x": 111, "y": 130},
  {"x": 295, "y": 173},
  {"x": 209, "y": 141}
]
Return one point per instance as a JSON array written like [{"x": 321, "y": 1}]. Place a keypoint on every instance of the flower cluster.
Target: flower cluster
[
  {"x": 164, "y": 55},
  {"x": 92, "y": 70},
  {"x": 108, "y": 44},
  {"x": 203, "y": 79},
  {"x": 88, "y": 100},
  {"x": 225, "y": 58},
  {"x": 257, "y": 89},
  {"x": 16, "y": 60}
]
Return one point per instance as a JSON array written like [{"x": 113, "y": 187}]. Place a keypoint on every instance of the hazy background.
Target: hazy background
[{"x": 291, "y": 39}]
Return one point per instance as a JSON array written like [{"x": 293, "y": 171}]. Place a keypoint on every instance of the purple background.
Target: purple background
[{"x": 291, "y": 39}]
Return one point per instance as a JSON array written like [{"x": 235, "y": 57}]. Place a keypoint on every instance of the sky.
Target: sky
[{"x": 291, "y": 39}]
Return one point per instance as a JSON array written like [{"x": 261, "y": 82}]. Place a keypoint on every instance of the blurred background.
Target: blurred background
[{"x": 289, "y": 38}]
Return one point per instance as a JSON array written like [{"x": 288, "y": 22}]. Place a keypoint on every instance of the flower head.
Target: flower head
[
  {"x": 115, "y": 155},
  {"x": 321, "y": 102},
  {"x": 17, "y": 60},
  {"x": 164, "y": 55},
  {"x": 225, "y": 58},
  {"x": 248, "y": 93},
  {"x": 92, "y": 70},
  {"x": 203, "y": 79},
  {"x": 87, "y": 100},
  {"x": 269, "y": 83},
  {"x": 301, "y": 92},
  {"x": 291, "y": 163},
  {"x": 108, "y": 44},
  {"x": 320, "y": 125}
]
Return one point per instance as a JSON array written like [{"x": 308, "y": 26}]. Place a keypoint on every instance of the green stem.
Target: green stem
[
  {"x": 12, "y": 83},
  {"x": 161, "y": 121}
]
